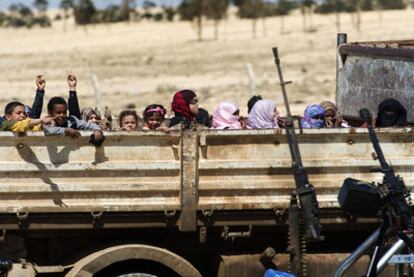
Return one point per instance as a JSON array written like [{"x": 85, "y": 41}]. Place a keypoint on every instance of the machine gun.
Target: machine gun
[
  {"x": 388, "y": 200},
  {"x": 305, "y": 191},
  {"x": 395, "y": 190}
]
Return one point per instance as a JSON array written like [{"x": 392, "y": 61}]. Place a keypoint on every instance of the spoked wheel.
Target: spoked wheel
[{"x": 121, "y": 260}]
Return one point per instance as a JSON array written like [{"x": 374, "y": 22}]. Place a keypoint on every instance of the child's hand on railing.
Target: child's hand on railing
[
  {"x": 97, "y": 138},
  {"x": 70, "y": 132}
]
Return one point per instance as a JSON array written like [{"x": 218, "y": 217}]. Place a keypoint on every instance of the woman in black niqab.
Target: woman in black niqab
[{"x": 391, "y": 113}]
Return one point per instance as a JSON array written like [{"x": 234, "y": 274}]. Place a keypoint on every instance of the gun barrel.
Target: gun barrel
[
  {"x": 282, "y": 82},
  {"x": 395, "y": 184},
  {"x": 306, "y": 192},
  {"x": 366, "y": 116}
]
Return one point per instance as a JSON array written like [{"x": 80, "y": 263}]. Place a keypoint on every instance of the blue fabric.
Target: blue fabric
[
  {"x": 276, "y": 273},
  {"x": 313, "y": 117}
]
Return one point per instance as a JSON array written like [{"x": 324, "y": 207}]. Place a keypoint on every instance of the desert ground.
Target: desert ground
[{"x": 146, "y": 62}]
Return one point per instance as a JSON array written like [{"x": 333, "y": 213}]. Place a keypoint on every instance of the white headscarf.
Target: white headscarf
[{"x": 262, "y": 115}]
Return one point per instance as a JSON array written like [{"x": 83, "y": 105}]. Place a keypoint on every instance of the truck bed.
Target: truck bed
[{"x": 153, "y": 179}]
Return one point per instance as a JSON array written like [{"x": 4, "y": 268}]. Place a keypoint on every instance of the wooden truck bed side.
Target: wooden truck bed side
[{"x": 154, "y": 174}]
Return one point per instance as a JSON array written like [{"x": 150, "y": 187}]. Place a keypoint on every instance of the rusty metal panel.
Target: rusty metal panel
[
  {"x": 131, "y": 172},
  {"x": 219, "y": 170},
  {"x": 373, "y": 72},
  {"x": 319, "y": 265},
  {"x": 189, "y": 181},
  {"x": 252, "y": 169}
]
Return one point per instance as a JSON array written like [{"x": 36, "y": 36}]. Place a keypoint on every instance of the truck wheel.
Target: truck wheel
[{"x": 100, "y": 260}]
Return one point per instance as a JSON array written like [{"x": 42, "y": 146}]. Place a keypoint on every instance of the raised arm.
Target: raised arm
[
  {"x": 37, "y": 106},
  {"x": 73, "y": 103}
]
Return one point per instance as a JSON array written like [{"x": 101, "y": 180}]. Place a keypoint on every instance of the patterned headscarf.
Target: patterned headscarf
[
  {"x": 262, "y": 115},
  {"x": 181, "y": 103},
  {"x": 313, "y": 117},
  {"x": 87, "y": 112},
  {"x": 328, "y": 105},
  {"x": 223, "y": 116}
]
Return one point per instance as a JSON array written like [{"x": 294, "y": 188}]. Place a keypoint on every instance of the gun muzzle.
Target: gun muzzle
[
  {"x": 275, "y": 52},
  {"x": 276, "y": 55},
  {"x": 365, "y": 115}
]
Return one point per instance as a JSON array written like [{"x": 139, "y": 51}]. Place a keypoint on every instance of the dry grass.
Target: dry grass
[{"x": 142, "y": 63}]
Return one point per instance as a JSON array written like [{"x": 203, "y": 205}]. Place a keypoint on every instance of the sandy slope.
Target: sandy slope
[{"x": 142, "y": 63}]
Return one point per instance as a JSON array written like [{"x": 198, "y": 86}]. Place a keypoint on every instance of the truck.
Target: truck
[{"x": 197, "y": 202}]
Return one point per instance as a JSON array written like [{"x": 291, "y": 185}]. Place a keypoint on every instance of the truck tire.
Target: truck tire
[{"x": 100, "y": 260}]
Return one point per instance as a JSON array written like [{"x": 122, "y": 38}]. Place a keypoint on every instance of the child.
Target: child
[
  {"x": 154, "y": 115},
  {"x": 128, "y": 120},
  {"x": 16, "y": 112},
  {"x": 91, "y": 115},
  {"x": 63, "y": 125}
]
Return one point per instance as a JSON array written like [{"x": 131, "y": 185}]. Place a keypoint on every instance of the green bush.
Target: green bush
[
  {"x": 84, "y": 12},
  {"x": 332, "y": 6},
  {"x": 113, "y": 13},
  {"x": 367, "y": 5},
  {"x": 17, "y": 22},
  {"x": 187, "y": 10},
  {"x": 41, "y": 21},
  {"x": 391, "y": 4},
  {"x": 158, "y": 17},
  {"x": 169, "y": 13},
  {"x": 3, "y": 18}
]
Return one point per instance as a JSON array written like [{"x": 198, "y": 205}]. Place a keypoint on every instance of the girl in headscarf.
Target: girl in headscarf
[
  {"x": 391, "y": 113},
  {"x": 91, "y": 115},
  {"x": 94, "y": 116},
  {"x": 226, "y": 116},
  {"x": 264, "y": 115},
  {"x": 185, "y": 108},
  {"x": 154, "y": 116},
  {"x": 313, "y": 117},
  {"x": 332, "y": 117}
]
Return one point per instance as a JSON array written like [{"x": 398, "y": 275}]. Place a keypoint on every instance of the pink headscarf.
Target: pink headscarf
[
  {"x": 223, "y": 116},
  {"x": 262, "y": 115}
]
